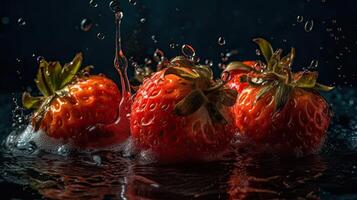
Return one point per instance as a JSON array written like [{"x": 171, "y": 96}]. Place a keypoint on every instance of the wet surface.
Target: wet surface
[{"x": 109, "y": 175}]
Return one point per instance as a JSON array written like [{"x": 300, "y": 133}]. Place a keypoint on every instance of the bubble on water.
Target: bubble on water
[
  {"x": 221, "y": 41},
  {"x": 114, "y": 6},
  {"x": 309, "y": 25},
  {"x": 97, "y": 160},
  {"x": 21, "y": 22},
  {"x": 101, "y": 36},
  {"x": 5, "y": 20},
  {"x": 188, "y": 51},
  {"x": 299, "y": 19},
  {"x": 86, "y": 24},
  {"x": 132, "y": 2},
  {"x": 93, "y": 3},
  {"x": 142, "y": 20},
  {"x": 153, "y": 38}
]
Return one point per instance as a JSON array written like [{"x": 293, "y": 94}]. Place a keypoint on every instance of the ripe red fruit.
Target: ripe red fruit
[
  {"x": 180, "y": 113},
  {"x": 77, "y": 107},
  {"x": 281, "y": 111}
]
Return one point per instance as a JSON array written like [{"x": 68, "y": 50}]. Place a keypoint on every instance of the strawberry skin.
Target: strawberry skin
[{"x": 172, "y": 138}]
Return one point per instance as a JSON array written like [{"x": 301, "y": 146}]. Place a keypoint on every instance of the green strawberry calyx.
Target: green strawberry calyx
[
  {"x": 205, "y": 92},
  {"x": 275, "y": 73},
  {"x": 52, "y": 80}
]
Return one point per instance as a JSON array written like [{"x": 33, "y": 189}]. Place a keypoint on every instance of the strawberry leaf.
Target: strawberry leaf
[
  {"x": 322, "y": 87},
  {"x": 191, "y": 103},
  {"x": 282, "y": 96},
  {"x": 30, "y": 102},
  {"x": 70, "y": 70},
  {"x": 236, "y": 65},
  {"x": 41, "y": 80},
  {"x": 306, "y": 79},
  {"x": 265, "y": 48},
  {"x": 180, "y": 72},
  {"x": 263, "y": 91}
]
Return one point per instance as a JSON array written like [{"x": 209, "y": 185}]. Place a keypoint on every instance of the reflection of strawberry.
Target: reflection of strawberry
[
  {"x": 73, "y": 103},
  {"x": 180, "y": 113},
  {"x": 262, "y": 178},
  {"x": 280, "y": 109}
]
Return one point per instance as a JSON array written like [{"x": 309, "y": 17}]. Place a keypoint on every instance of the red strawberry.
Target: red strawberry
[
  {"x": 180, "y": 113},
  {"x": 74, "y": 105},
  {"x": 280, "y": 110}
]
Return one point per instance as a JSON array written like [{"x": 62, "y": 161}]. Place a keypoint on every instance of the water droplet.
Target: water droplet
[
  {"x": 86, "y": 24},
  {"x": 209, "y": 63},
  {"x": 309, "y": 25},
  {"x": 142, "y": 20},
  {"x": 188, "y": 51},
  {"x": 153, "y": 37},
  {"x": 339, "y": 29},
  {"x": 221, "y": 41},
  {"x": 5, "y": 20},
  {"x": 257, "y": 51},
  {"x": 132, "y": 2},
  {"x": 313, "y": 65},
  {"x": 114, "y": 6},
  {"x": 232, "y": 53},
  {"x": 100, "y": 36},
  {"x": 93, "y": 3},
  {"x": 172, "y": 45},
  {"x": 97, "y": 160},
  {"x": 21, "y": 22},
  {"x": 39, "y": 59},
  {"x": 159, "y": 55},
  {"x": 299, "y": 19}
]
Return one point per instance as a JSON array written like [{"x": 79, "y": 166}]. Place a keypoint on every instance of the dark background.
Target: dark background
[{"x": 52, "y": 30}]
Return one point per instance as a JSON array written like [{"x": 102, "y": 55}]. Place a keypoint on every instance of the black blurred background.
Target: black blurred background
[{"x": 52, "y": 29}]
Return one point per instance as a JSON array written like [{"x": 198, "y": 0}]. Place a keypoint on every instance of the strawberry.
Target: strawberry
[
  {"x": 180, "y": 113},
  {"x": 280, "y": 110},
  {"x": 76, "y": 107}
]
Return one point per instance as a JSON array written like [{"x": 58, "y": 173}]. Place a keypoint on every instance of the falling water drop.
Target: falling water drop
[
  {"x": 221, "y": 41},
  {"x": 93, "y": 3},
  {"x": 309, "y": 25},
  {"x": 101, "y": 36},
  {"x": 132, "y": 2},
  {"x": 188, "y": 51},
  {"x": 86, "y": 24},
  {"x": 114, "y": 6},
  {"x": 158, "y": 55},
  {"x": 172, "y": 45},
  {"x": 153, "y": 37},
  {"x": 313, "y": 65},
  {"x": 21, "y": 22},
  {"x": 142, "y": 20},
  {"x": 257, "y": 51},
  {"x": 299, "y": 19}
]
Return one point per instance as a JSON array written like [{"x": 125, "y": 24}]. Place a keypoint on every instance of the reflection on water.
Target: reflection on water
[{"x": 109, "y": 175}]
